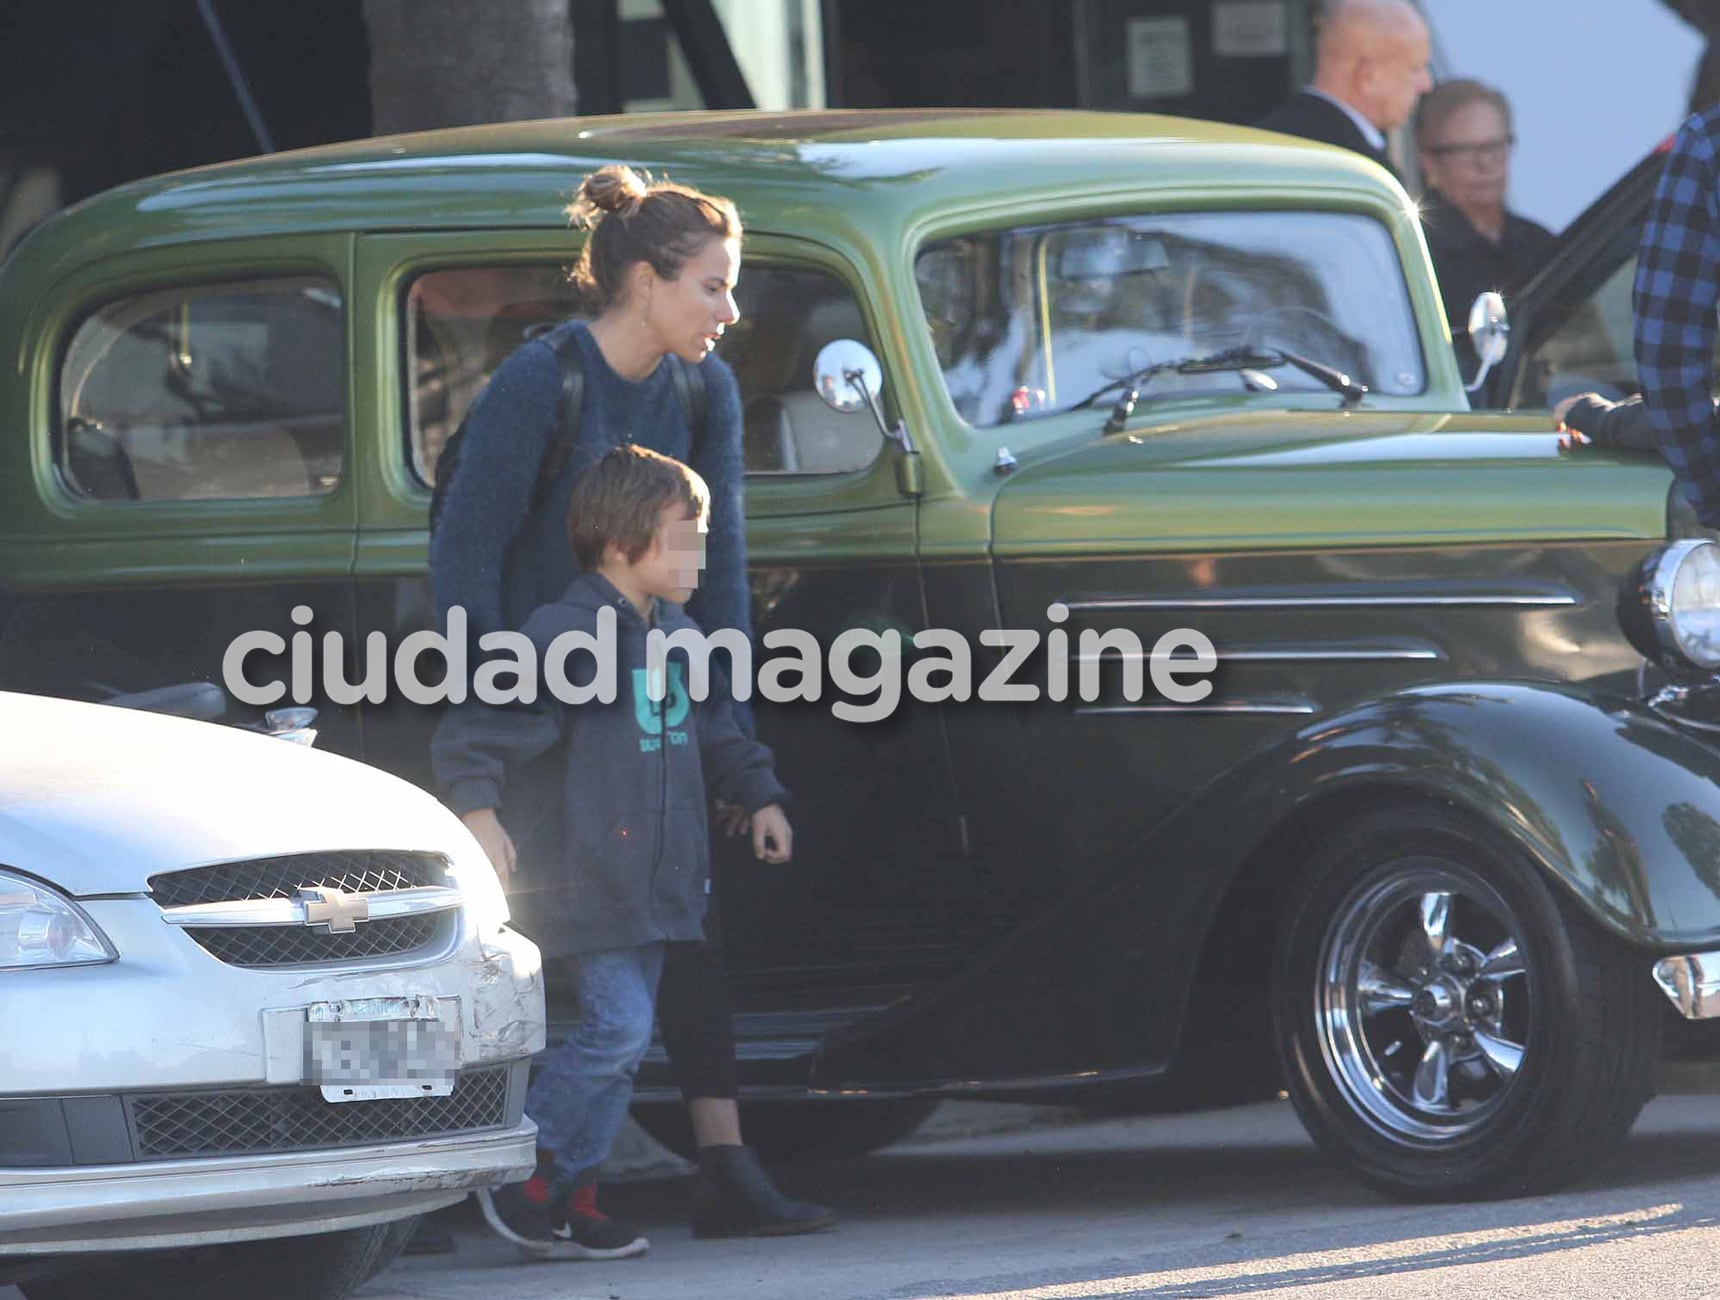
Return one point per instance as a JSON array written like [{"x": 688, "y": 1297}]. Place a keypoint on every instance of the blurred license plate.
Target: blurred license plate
[{"x": 364, "y": 1049}]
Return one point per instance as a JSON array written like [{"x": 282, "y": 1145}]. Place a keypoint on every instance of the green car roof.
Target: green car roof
[{"x": 784, "y": 169}]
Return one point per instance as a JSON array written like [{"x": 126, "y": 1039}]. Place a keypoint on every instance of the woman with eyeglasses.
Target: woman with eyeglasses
[{"x": 1463, "y": 135}]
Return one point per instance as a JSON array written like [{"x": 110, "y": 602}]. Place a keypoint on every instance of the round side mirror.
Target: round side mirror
[
  {"x": 1489, "y": 334},
  {"x": 848, "y": 376}
]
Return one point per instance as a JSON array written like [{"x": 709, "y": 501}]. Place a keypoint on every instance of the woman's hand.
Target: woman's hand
[
  {"x": 498, "y": 846},
  {"x": 772, "y": 836}
]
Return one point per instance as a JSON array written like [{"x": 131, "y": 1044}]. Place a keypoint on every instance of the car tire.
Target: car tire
[
  {"x": 781, "y": 1132},
  {"x": 388, "y": 1244},
  {"x": 1507, "y": 1063},
  {"x": 321, "y": 1266}
]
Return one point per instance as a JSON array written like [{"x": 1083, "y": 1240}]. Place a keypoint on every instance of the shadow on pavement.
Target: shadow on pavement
[{"x": 1234, "y": 1204}]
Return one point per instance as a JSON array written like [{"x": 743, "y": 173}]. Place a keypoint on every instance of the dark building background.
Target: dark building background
[
  {"x": 893, "y": 53},
  {"x": 107, "y": 92},
  {"x": 1073, "y": 54},
  {"x": 96, "y": 92}
]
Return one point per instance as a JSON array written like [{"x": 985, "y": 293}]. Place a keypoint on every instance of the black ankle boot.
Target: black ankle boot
[{"x": 734, "y": 1197}]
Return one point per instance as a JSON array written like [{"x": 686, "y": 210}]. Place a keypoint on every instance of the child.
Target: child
[{"x": 634, "y": 860}]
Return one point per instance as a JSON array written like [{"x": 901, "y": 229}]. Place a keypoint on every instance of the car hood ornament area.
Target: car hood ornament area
[{"x": 335, "y": 909}]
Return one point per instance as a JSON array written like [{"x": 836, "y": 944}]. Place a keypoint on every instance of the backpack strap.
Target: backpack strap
[
  {"x": 690, "y": 393},
  {"x": 568, "y": 409}
]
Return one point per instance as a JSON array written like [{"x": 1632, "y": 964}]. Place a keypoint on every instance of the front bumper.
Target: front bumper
[
  {"x": 1692, "y": 981},
  {"x": 204, "y": 1202},
  {"x": 161, "y": 1100}
]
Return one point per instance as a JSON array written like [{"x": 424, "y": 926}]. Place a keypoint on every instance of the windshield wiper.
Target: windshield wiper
[
  {"x": 1339, "y": 382},
  {"x": 1244, "y": 358}
]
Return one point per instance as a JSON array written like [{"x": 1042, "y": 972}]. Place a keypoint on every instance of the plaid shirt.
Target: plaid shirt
[{"x": 1677, "y": 288}]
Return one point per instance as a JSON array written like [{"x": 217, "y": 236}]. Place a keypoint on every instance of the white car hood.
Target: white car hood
[{"x": 95, "y": 799}]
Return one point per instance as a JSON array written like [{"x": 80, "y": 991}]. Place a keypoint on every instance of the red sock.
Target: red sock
[
  {"x": 537, "y": 1187},
  {"x": 585, "y": 1202}
]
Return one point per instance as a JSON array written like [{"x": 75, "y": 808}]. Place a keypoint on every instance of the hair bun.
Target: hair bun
[{"x": 609, "y": 190}]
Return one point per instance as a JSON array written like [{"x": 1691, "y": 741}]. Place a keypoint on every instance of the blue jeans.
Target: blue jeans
[{"x": 579, "y": 1098}]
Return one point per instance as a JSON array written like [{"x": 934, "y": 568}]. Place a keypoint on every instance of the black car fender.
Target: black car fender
[{"x": 1619, "y": 807}]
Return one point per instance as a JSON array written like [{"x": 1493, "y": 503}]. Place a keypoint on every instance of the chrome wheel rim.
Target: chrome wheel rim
[{"x": 1424, "y": 1002}]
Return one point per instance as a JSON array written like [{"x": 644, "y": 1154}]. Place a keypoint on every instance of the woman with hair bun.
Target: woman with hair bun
[{"x": 658, "y": 272}]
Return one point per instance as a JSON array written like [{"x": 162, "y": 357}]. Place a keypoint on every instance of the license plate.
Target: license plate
[{"x": 365, "y": 1049}]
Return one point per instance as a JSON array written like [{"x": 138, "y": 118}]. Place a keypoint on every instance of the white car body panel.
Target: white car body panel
[
  {"x": 93, "y": 802},
  {"x": 98, "y": 799}
]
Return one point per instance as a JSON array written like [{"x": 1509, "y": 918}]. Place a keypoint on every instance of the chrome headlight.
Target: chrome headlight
[
  {"x": 39, "y": 927},
  {"x": 1669, "y": 608}
]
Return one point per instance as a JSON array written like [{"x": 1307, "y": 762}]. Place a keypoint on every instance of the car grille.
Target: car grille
[
  {"x": 283, "y": 877},
  {"x": 296, "y": 945},
  {"x": 353, "y": 873},
  {"x": 255, "y": 1120}
]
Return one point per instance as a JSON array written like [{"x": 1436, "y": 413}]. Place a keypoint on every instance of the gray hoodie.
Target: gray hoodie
[{"x": 634, "y": 855}]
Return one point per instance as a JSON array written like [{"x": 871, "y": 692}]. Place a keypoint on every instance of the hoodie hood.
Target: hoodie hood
[
  {"x": 593, "y": 591},
  {"x": 590, "y": 592}
]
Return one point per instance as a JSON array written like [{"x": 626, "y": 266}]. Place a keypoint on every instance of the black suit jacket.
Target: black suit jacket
[{"x": 1314, "y": 117}]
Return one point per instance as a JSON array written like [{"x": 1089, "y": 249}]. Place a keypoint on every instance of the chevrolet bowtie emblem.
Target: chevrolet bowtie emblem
[{"x": 340, "y": 912}]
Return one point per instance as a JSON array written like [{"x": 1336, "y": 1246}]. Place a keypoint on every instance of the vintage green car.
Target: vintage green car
[{"x": 1398, "y": 818}]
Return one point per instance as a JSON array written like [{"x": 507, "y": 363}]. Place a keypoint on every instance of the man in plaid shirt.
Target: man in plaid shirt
[{"x": 1677, "y": 289}]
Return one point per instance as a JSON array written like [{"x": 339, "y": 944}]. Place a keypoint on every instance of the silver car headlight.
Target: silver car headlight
[
  {"x": 1669, "y": 608},
  {"x": 39, "y": 927}
]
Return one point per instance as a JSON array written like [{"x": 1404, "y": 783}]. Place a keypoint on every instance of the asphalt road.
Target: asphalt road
[{"x": 1235, "y": 1203}]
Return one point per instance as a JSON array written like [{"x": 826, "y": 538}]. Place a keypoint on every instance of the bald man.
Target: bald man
[{"x": 1370, "y": 67}]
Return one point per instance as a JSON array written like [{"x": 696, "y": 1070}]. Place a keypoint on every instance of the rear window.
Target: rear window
[
  {"x": 1028, "y": 321},
  {"x": 206, "y": 392}
]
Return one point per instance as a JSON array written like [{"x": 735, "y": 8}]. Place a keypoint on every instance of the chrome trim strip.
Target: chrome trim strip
[
  {"x": 1394, "y": 600},
  {"x": 1287, "y": 655},
  {"x": 1346, "y": 654},
  {"x": 383, "y": 905},
  {"x": 1286, "y": 708}
]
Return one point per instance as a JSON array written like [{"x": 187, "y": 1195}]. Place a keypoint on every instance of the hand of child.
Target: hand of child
[
  {"x": 498, "y": 846},
  {"x": 772, "y": 836}
]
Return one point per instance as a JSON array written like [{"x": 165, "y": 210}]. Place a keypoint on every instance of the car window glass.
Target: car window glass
[
  {"x": 788, "y": 314},
  {"x": 1030, "y": 320},
  {"x": 206, "y": 392},
  {"x": 1590, "y": 348},
  {"x": 462, "y": 322}
]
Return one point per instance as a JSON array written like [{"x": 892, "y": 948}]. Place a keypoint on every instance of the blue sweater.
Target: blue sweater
[{"x": 501, "y": 560}]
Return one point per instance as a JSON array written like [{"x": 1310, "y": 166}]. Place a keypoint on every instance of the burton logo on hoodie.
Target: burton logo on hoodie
[{"x": 655, "y": 720}]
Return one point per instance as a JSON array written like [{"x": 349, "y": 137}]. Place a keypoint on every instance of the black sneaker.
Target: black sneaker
[
  {"x": 524, "y": 1214},
  {"x": 594, "y": 1233}
]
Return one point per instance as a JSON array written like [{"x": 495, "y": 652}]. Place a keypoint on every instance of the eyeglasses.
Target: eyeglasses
[{"x": 1484, "y": 151}]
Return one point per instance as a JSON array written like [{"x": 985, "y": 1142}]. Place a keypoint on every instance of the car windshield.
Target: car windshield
[{"x": 1027, "y": 321}]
